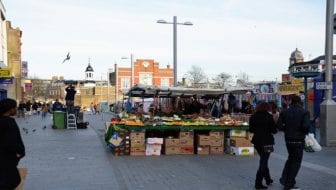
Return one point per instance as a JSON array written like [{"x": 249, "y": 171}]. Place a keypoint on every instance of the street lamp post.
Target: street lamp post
[
  {"x": 175, "y": 23},
  {"x": 328, "y": 106},
  {"x": 132, "y": 69}
]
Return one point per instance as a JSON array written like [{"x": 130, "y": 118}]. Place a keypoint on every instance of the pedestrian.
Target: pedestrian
[
  {"x": 295, "y": 123},
  {"x": 263, "y": 127},
  {"x": 95, "y": 109},
  {"x": 11, "y": 146},
  {"x": 45, "y": 110},
  {"x": 273, "y": 110},
  {"x": 92, "y": 108},
  {"x": 70, "y": 98},
  {"x": 57, "y": 106},
  {"x": 21, "y": 109}
]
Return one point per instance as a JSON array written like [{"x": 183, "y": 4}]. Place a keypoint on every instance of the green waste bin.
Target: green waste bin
[{"x": 59, "y": 120}]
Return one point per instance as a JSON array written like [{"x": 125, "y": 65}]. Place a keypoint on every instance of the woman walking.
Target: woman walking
[
  {"x": 11, "y": 146},
  {"x": 263, "y": 127}
]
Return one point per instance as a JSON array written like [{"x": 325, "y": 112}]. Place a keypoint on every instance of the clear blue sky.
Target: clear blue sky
[{"x": 232, "y": 36}]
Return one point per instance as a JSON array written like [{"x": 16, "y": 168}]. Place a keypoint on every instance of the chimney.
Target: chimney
[{"x": 183, "y": 81}]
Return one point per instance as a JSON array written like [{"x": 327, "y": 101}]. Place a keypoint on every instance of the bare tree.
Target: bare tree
[
  {"x": 222, "y": 79},
  {"x": 243, "y": 79},
  {"x": 196, "y": 76}
]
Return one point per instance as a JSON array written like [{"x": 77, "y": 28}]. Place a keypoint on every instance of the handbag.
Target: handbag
[{"x": 268, "y": 148}]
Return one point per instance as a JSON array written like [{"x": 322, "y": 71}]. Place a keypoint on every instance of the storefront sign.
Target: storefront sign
[
  {"x": 324, "y": 85},
  {"x": 283, "y": 88},
  {"x": 28, "y": 86},
  {"x": 6, "y": 80},
  {"x": 5, "y": 73}
]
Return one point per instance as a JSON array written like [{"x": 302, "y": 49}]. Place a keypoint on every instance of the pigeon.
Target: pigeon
[
  {"x": 67, "y": 57},
  {"x": 34, "y": 130},
  {"x": 44, "y": 127}
]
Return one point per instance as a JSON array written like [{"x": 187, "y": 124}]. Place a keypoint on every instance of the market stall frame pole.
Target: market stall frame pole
[
  {"x": 328, "y": 106},
  {"x": 174, "y": 23}
]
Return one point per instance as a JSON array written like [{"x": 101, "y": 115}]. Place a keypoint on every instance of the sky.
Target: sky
[{"x": 231, "y": 36}]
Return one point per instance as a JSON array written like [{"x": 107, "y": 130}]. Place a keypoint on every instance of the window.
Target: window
[
  {"x": 146, "y": 78},
  {"x": 165, "y": 82},
  {"x": 125, "y": 82}
]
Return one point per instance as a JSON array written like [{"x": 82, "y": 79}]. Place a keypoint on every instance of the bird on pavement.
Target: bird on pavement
[
  {"x": 67, "y": 57},
  {"x": 44, "y": 127},
  {"x": 34, "y": 130}
]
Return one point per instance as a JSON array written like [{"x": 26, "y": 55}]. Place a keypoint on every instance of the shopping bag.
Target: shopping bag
[
  {"x": 23, "y": 174},
  {"x": 311, "y": 144}
]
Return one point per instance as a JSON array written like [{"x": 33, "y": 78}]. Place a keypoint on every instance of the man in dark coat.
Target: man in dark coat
[
  {"x": 70, "y": 98},
  {"x": 11, "y": 146},
  {"x": 295, "y": 123}
]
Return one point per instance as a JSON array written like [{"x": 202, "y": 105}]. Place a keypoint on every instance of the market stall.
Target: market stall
[{"x": 178, "y": 121}]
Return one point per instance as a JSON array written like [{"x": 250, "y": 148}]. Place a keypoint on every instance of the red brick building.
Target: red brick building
[{"x": 147, "y": 72}]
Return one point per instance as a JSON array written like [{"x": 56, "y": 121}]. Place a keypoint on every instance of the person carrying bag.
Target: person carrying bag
[{"x": 263, "y": 127}]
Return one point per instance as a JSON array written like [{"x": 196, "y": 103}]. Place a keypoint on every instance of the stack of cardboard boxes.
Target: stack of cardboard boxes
[
  {"x": 153, "y": 146},
  {"x": 137, "y": 143},
  {"x": 186, "y": 142},
  {"x": 203, "y": 144},
  {"x": 240, "y": 142},
  {"x": 216, "y": 142},
  {"x": 172, "y": 146}
]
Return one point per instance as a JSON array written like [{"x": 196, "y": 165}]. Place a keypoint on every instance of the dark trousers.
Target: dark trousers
[
  {"x": 293, "y": 163},
  {"x": 70, "y": 106},
  {"x": 263, "y": 162},
  {"x": 9, "y": 178}
]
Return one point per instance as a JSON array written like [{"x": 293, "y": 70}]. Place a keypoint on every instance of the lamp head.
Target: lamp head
[
  {"x": 188, "y": 23},
  {"x": 161, "y": 21}
]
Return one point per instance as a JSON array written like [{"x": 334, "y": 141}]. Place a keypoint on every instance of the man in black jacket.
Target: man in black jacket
[
  {"x": 295, "y": 123},
  {"x": 70, "y": 98},
  {"x": 11, "y": 146}
]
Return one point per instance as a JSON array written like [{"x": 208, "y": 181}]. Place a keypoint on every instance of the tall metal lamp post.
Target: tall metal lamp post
[
  {"x": 132, "y": 68},
  {"x": 175, "y": 23},
  {"x": 328, "y": 106},
  {"x": 305, "y": 70}
]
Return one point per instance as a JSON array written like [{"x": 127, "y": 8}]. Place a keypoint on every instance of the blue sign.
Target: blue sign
[{"x": 6, "y": 80}]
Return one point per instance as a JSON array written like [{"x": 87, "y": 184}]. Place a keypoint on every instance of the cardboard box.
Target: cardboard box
[
  {"x": 153, "y": 152},
  {"x": 216, "y": 134},
  {"x": 204, "y": 150},
  {"x": 153, "y": 146},
  {"x": 187, "y": 142},
  {"x": 137, "y": 151},
  {"x": 203, "y": 140},
  {"x": 137, "y": 135},
  {"x": 216, "y": 150},
  {"x": 240, "y": 142},
  {"x": 187, "y": 150},
  {"x": 172, "y": 150},
  {"x": 249, "y": 136},
  {"x": 172, "y": 142},
  {"x": 216, "y": 142},
  {"x": 242, "y": 150},
  {"x": 138, "y": 143},
  {"x": 237, "y": 133},
  {"x": 186, "y": 134},
  {"x": 154, "y": 140}
]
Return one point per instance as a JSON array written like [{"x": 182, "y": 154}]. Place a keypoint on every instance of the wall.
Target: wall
[{"x": 14, "y": 60}]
